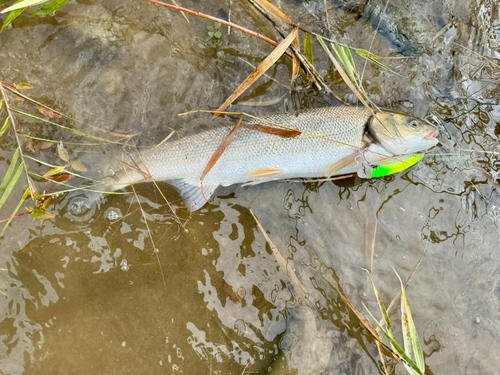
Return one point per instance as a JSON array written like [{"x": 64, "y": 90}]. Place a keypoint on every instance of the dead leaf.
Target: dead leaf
[
  {"x": 47, "y": 112},
  {"x": 285, "y": 133},
  {"x": 30, "y": 144},
  {"x": 63, "y": 177},
  {"x": 23, "y": 86},
  {"x": 261, "y": 69},
  {"x": 222, "y": 147},
  {"x": 46, "y": 145},
  {"x": 53, "y": 171},
  {"x": 47, "y": 216},
  {"x": 77, "y": 166},
  {"x": 274, "y": 12},
  {"x": 63, "y": 153}
]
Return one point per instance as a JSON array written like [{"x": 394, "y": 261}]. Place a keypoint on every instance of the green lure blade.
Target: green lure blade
[{"x": 403, "y": 162}]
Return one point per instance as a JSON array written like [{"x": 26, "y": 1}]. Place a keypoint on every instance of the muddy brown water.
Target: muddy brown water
[{"x": 85, "y": 292}]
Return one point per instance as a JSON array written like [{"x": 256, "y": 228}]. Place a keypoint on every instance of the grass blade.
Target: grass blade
[
  {"x": 343, "y": 74},
  {"x": 77, "y": 132},
  {"x": 4, "y": 127},
  {"x": 403, "y": 356},
  {"x": 373, "y": 59},
  {"x": 57, "y": 142},
  {"x": 12, "y": 16},
  {"x": 10, "y": 171},
  {"x": 23, "y": 4},
  {"x": 50, "y": 8},
  {"x": 383, "y": 310},
  {"x": 165, "y": 139},
  {"x": 410, "y": 331},
  {"x": 308, "y": 51},
  {"x": 25, "y": 196},
  {"x": 11, "y": 184},
  {"x": 343, "y": 53},
  {"x": 261, "y": 69}
]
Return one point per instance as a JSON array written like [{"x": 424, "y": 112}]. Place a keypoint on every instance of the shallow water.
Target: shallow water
[{"x": 88, "y": 293}]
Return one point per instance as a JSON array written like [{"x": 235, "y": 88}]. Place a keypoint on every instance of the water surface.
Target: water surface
[{"x": 89, "y": 294}]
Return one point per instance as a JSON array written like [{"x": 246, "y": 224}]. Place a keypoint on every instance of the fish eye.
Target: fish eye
[{"x": 414, "y": 124}]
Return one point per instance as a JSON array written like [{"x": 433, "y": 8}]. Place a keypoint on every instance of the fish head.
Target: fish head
[{"x": 400, "y": 134}]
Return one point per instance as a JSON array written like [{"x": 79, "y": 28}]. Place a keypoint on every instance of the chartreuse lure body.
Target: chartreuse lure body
[{"x": 393, "y": 166}]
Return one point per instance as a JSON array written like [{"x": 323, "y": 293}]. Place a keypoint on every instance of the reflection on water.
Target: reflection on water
[{"x": 88, "y": 293}]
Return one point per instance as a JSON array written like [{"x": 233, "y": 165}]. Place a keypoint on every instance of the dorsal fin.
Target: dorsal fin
[{"x": 194, "y": 195}]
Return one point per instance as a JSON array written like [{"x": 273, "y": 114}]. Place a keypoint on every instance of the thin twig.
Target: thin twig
[
  {"x": 327, "y": 19},
  {"x": 409, "y": 277},
  {"x": 19, "y": 144},
  {"x": 229, "y": 18},
  {"x": 149, "y": 231},
  {"x": 324, "y": 179},
  {"x": 32, "y": 101},
  {"x": 176, "y": 218},
  {"x": 373, "y": 39},
  {"x": 299, "y": 289},
  {"x": 224, "y": 22}
]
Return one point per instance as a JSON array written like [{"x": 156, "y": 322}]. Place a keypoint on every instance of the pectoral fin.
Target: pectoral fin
[
  {"x": 262, "y": 175},
  {"x": 345, "y": 162},
  {"x": 265, "y": 172},
  {"x": 194, "y": 195}
]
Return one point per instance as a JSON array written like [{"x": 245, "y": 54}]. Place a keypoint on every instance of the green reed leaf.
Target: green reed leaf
[
  {"x": 23, "y": 4},
  {"x": 50, "y": 8},
  {"x": 373, "y": 59},
  {"x": 10, "y": 171},
  {"x": 410, "y": 334},
  {"x": 16, "y": 210},
  {"x": 12, "y": 16},
  {"x": 4, "y": 127},
  {"x": 11, "y": 185},
  {"x": 77, "y": 132},
  {"x": 345, "y": 56},
  {"x": 308, "y": 51},
  {"x": 402, "y": 354},
  {"x": 382, "y": 308}
]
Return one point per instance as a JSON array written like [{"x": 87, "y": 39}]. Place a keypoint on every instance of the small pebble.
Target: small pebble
[
  {"x": 124, "y": 265},
  {"x": 112, "y": 215},
  {"x": 477, "y": 320}
]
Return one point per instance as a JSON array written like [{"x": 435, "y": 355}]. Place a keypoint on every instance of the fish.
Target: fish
[{"x": 332, "y": 141}]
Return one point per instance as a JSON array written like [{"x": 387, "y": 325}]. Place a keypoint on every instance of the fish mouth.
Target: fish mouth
[{"x": 432, "y": 136}]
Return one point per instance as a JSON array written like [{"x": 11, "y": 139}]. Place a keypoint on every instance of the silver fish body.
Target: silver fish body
[{"x": 328, "y": 135}]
